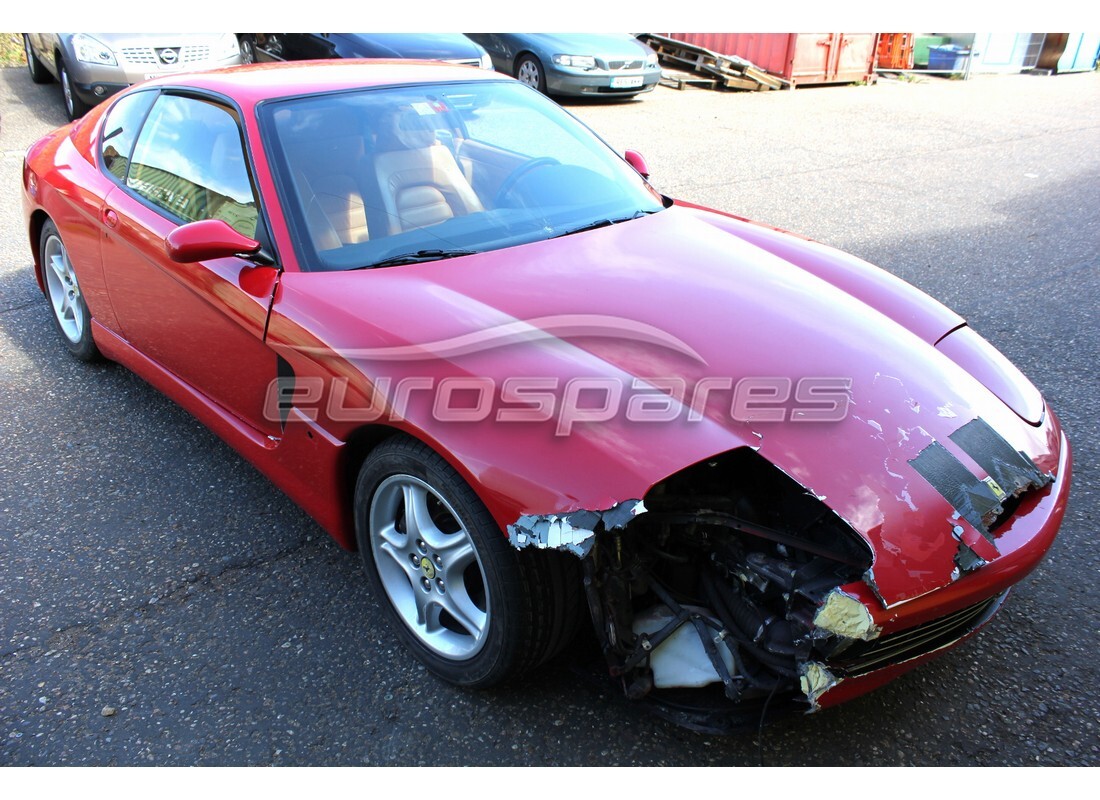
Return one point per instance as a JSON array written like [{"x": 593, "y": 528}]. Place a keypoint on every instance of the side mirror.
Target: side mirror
[
  {"x": 635, "y": 159},
  {"x": 207, "y": 239}
]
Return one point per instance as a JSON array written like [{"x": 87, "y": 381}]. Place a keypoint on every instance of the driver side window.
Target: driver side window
[{"x": 189, "y": 160}]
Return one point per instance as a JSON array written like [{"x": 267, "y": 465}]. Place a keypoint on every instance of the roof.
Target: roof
[{"x": 256, "y": 82}]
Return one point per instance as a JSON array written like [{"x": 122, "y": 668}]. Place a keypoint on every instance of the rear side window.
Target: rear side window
[
  {"x": 121, "y": 129},
  {"x": 190, "y": 161}
]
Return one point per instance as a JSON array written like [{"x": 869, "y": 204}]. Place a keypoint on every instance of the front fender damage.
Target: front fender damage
[
  {"x": 573, "y": 532},
  {"x": 719, "y": 593}
]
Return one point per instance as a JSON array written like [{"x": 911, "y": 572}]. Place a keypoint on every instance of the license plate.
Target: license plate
[{"x": 626, "y": 82}]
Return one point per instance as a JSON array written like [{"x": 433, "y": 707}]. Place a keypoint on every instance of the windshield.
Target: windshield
[{"x": 383, "y": 177}]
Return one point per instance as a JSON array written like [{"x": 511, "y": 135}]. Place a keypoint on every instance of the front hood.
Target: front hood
[
  {"x": 698, "y": 303},
  {"x": 603, "y": 45},
  {"x": 117, "y": 41},
  {"x": 431, "y": 46}
]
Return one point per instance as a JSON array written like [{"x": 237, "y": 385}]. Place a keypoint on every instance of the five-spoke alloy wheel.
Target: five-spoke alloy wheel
[
  {"x": 473, "y": 609},
  {"x": 70, "y": 311},
  {"x": 428, "y": 567}
]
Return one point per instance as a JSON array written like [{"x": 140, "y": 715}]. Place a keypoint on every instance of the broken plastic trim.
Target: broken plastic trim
[{"x": 573, "y": 532}]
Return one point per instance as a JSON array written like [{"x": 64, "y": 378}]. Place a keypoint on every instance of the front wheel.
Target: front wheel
[
  {"x": 74, "y": 106},
  {"x": 470, "y": 607},
  {"x": 70, "y": 311},
  {"x": 529, "y": 70}
]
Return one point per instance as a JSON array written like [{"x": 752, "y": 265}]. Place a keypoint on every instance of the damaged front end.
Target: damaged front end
[{"x": 717, "y": 597}]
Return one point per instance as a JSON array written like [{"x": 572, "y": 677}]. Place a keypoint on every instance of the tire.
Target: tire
[
  {"x": 38, "y": 71},
  {"x": 471, "y": 608},
  {"x": 247, "y": 46},
  {"x": 70, "y": 311},
  {"x": 529, "y": 70},
  {"x": 74, "y": 106}
]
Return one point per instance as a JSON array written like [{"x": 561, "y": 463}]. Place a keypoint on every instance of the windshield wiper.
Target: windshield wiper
[
  {"x": 418, "y": 257},
  {"x": 603, "y": 223}
]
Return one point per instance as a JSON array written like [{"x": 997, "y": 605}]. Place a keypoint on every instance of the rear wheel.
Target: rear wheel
[
  {"x": 38, "y": 71},
  {"x": 70, "y": 311},
  {"x": 470, "y": 607}
]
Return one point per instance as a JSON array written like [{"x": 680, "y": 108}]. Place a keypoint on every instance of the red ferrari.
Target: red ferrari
[{"x": 474, "y": 343}]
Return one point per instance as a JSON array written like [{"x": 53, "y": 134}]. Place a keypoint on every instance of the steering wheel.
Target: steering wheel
[{"x": 515, "y": 175}]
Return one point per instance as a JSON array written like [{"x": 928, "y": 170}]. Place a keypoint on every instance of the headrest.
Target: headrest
[{"x": 406, "y": 129}]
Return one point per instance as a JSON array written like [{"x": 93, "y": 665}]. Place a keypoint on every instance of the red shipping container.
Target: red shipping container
[{"x": 801, "y": 58}]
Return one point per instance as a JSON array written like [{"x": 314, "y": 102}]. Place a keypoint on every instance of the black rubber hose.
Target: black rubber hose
[{"x": 710, "y": 588}]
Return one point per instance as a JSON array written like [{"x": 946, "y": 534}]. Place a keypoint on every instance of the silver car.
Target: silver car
[{"x": 93, "y": 66}]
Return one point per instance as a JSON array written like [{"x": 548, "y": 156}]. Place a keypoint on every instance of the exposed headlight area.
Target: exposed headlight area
[
  {"x": 92, "y": 51},
  {"x": 729, "y": 579},
  {"x": 577, "y": 62},
  {"x": 486, "y": 61},
  {"x": 651, "y": 61}
]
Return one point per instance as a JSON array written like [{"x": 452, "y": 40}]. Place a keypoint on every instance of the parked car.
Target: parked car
[
  {"x": 93, "y": 66},
  {"x": 451, "y": 47},
  {"x": 523, "y": 383},
  {"x": 581, "y": 64}
]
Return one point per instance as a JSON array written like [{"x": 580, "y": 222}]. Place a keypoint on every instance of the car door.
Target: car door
[
  {"x": 204, "y": 322},
  {"x": 500, "y": 48}
]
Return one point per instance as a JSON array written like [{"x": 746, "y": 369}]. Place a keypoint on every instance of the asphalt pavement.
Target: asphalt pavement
[{"x": 162, "y": 603}]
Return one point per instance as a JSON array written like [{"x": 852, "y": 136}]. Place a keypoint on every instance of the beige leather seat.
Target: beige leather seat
[
  {"x": 328, "y": 151},
  {"x": 420, "y": 181}
]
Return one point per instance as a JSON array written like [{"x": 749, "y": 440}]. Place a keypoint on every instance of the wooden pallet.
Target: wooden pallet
[
  {"x": 678, "y": 79},
  {"x": 729, "y": 72}
]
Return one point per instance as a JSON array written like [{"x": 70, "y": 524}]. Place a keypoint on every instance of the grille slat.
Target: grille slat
[
  {"x": 139, "y": 55},
  {"x": 904, "y": 645},
  {"x": 188, "y": 54}
]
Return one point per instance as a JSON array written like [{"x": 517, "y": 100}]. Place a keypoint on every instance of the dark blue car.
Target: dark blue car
[{"x": 452, "y": 47}]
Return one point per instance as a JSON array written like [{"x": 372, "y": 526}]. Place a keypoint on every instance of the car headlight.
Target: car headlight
[
  {"x": 651, "y": 61},
  {"x": 580, "y": 62},
  {"x": 227, "y": 46},
  {"x": 486, "y": 61},
  {"x": 90, "y": 51}
]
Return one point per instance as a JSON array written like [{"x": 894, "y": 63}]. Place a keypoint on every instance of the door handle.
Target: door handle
[{"x": 110, "y": 218}]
